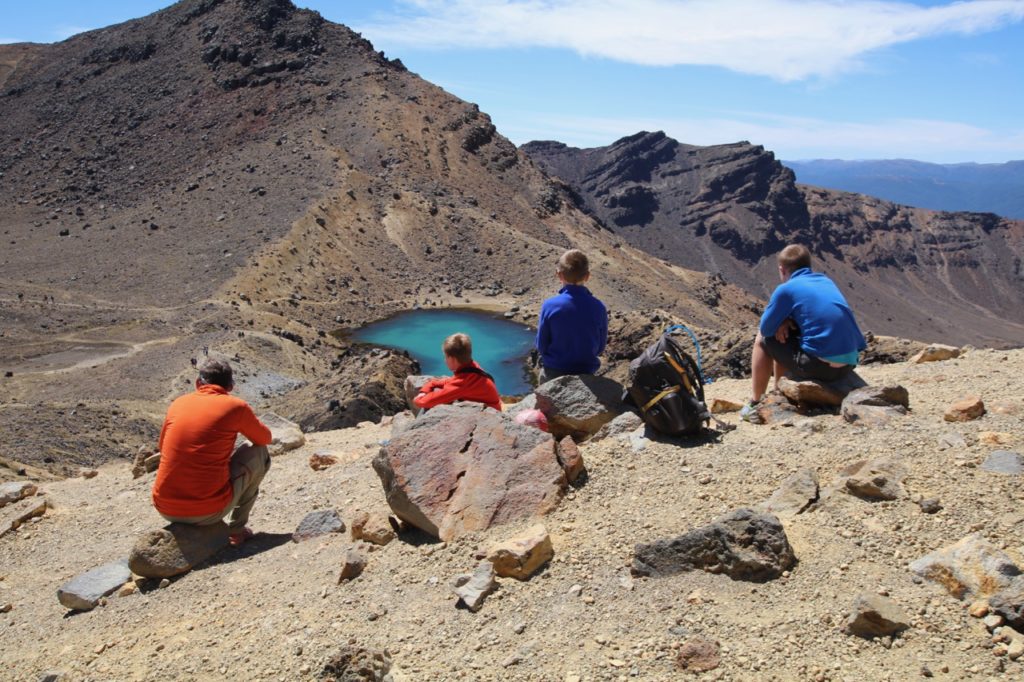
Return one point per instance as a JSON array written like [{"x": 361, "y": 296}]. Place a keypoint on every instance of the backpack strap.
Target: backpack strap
[
  {"x": 473, "y": 370},
  {"x": 653, "y": 401}
]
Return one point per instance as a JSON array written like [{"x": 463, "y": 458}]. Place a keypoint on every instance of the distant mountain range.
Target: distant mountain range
[{"x": 987, "y": 188}]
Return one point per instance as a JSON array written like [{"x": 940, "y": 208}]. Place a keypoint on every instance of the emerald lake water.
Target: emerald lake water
[{"x": 499, "y": 345}]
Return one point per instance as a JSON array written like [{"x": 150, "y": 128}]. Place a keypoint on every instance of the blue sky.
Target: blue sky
[{"x": 930, "y": 80}]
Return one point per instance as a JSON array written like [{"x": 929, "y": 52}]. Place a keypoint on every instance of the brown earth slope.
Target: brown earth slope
[
  {"x": 244, "y": 177},
  {"x": 728, "y": 209}
]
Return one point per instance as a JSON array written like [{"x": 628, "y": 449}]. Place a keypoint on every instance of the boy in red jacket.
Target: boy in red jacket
[{"x": 468, "y": 383}]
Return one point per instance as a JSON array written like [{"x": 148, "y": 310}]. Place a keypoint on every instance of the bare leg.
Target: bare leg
[
  {"x": 761, "y": 366},
  {"x": 780, "y": 371}
]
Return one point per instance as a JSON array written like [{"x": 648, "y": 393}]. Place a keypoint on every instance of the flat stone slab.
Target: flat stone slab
[
  {"x": 1004, "y": 462},
  {"x": 84, "y": 592},
  {"x": 13, "y": 515},
  {"x": 176, "y": 549},
  {"x": 875, "y": 616},
  {"x": 970, "y": 568},
  {"x": 794, "y": 495},
  {"x": 473, "y": 588},
  {"x": 317, "y": 523}
]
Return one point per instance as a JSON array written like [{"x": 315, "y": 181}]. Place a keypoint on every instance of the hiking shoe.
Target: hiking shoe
[{"x": 748, "y": 411}]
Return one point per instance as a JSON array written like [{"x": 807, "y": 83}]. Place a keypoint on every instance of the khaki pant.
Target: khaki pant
[{"x": 249, "y": 464}]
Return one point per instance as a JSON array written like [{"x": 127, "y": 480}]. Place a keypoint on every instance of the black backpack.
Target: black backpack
[{"x": 667, "y": 385}]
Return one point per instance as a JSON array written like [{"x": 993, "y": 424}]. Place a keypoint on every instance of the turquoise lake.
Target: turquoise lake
[{"x": 499, "y": 346}]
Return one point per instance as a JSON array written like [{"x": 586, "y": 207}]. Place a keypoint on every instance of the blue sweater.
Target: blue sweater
[
  {"x": 827, "y": 328},
  {"x": 572, "y": 330}
]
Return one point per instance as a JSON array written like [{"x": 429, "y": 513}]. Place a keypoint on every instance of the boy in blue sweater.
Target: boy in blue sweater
[
  {"x": 573, "y": 326},
  {"x": 807, "y": 331}
]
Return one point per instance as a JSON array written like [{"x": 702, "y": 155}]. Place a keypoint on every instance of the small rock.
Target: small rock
[
  {"x": 978, "y": 609},
  {"x": 6, "y": 608},
  {"x": 570, "y": 458},
  {"x": 970, "y": 568},
  {"x": 873, "y": 615},
  {"x": 952, "y": 441},
  {"x": 84, "y": 592},
  {"x": 626, "y": 422},
  {"x": 995, "y": 438},
  {"x": 521, "y": 556},
  {"x": 15, "y": 491},
  {"x": 352, "y": 564},
  {"x": 875, "y": 406},
  {"x": 319, "y": 461},
  {"x": 965, "y": 410},
  {"x": 809, "y": 392},
  {"x": 374, "y": 528},
  {"x": 317, "y": 523},
  {"x": 1004, "y": 462},
  {"x": 1009, "y": 602},
  {"x": 354, "y": 664},
  {"x": 472, "y": 588},
  {"x": 164, "y": 582},
  {"x": 88, "y": 473},
  {"x": 17, "y": 513},
  {"x": 878, "y": 479},
  {"x": 935, "y": 353},
  {"x": 721, "y": 406},
  {"x": 992, "y": 621},
  {"x": 128, "y": 589},
  {"x": 930, "y": 505},
  {"x": 698, "y": 655},
  {"x": 794, "y": 495},
  {"x": 285, "y": 435},
  {"x": 1015, "y": 650}
]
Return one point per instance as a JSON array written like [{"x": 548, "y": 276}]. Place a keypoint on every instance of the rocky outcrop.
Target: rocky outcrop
[
  {"x": 744, "y": 545},
  {"x": 466, "y": 467}
]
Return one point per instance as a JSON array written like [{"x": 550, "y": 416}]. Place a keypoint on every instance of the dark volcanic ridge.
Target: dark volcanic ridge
[{"x": 728, "y": 209}]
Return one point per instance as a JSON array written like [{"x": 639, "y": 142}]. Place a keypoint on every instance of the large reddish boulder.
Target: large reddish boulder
[{"x": 466, "y": 467}]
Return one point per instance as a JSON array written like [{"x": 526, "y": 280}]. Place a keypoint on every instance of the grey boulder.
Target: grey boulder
[
  {"x": 744, "y": 545},
  {"x": 579, "y": 406}
]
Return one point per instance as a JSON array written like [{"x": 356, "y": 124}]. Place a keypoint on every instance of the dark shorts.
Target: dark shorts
[{"x": 799, "y": 365}]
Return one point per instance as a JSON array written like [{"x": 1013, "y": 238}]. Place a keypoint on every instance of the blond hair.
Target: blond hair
[
  {"x": 574, "y": 266},
  {"x": 460, "y": 347},
  {"x": 794, "y": 257}
]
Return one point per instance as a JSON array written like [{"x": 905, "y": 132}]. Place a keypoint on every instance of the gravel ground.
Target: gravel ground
[{"x": 273, "y": 609}]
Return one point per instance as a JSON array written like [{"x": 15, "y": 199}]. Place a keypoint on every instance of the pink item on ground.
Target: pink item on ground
[{"x": 534, "y": 418}]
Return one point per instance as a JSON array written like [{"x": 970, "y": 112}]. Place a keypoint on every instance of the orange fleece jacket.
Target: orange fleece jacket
[
  {"x": 463, "y": 386},
  {"x": 196, "y": 444}
]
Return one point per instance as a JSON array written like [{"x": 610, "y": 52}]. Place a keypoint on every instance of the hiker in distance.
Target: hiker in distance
[
  {"x": 807, "y": 331},
  {"x": 202, "y": 476},
  {"x": 573, "y": 327}
]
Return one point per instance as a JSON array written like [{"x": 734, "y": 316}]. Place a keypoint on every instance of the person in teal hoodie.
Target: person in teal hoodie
[{"x": 807, "y": 331}]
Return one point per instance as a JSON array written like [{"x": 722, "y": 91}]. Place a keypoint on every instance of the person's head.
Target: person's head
[
  {"x": 791, "y": 259},
  {"x": 573, "y": 267},
  {"x": 217, "y": 373},
  {"x": 458, "y": 351}
]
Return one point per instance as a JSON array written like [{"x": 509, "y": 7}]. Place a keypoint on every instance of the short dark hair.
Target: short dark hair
[
  {"x": 574, "y": 266},
  {"x": 216, "y": 372},
  {"x": 794, "y": 257},
  {"x": 460, "y": 347}
]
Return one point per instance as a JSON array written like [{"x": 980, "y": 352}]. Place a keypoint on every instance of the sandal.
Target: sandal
[{"x": 239, "y": 538}]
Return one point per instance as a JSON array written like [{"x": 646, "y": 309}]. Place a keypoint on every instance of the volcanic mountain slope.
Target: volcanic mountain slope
[
  {"x": 729, "y": 208},
  {"x": 243, "y": 177}
]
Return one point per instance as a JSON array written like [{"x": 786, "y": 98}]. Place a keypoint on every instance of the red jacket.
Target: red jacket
[
  {"x": 465, "y": 385},
  {"x": 196, "y": 444}
]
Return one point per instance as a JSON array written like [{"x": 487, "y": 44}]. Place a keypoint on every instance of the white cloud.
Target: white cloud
[
  {"x": 783, "y": 39},
  {"x": 792, "y": 137}
]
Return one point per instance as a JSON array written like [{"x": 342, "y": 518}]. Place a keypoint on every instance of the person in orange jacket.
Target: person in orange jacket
[
  {"x": 468, "y": 380},
  {"x": 202, "y": 477}
]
